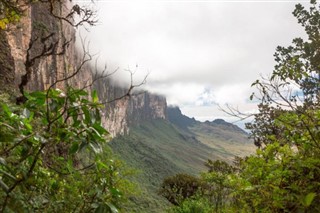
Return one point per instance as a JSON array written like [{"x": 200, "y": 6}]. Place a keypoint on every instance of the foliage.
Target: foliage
[
  {"x": 53, "y": 151},
  {"x": 180, "y": 187},
  {"x": 218, "y": 181},
  {"x": 284, "y": 174},
  {"x": 193, "y": 205},
  {"x": 54, "y": 157},
  {"x": 160, "y": 149},
  {"x": 212, "y": 195},
  {"x": 10, "y": 12}
]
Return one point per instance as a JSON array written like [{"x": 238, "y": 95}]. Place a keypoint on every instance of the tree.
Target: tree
[
  {"x": 218, "y": 187},
  {"x": 284, "y": 174},
  {"x": 53, "y": 151},
  {"x": 212, "y": 192},
  {"x": 180, "y": 187},
  {"x": 54, "y": 161}
]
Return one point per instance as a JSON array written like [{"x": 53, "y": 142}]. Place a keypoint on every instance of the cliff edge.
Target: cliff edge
[{"x": 26, "y": 37}]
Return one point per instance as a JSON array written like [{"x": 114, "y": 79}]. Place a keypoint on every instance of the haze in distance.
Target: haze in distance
[{"x": 200, "y": 54}]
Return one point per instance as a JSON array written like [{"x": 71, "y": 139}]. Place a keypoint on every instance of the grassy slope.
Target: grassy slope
[
  {"x": 225, "y": 142},
  {"x": 160, "y": 149}
]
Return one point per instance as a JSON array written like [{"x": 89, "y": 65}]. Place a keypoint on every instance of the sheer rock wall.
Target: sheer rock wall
[{"x": 37, "y": 23}]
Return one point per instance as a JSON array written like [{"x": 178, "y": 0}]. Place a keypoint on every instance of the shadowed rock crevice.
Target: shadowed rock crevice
[{"x": 7, "y": 74}]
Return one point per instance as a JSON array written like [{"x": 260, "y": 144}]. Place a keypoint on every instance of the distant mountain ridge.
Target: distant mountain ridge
[
  {"x": 156, "y": 139},
  {"x": 118, "y": 116},
  {"x": 176, "y": 117},
  {"x": 222, "y": 122},
  {"x": 163, "y": 147}
]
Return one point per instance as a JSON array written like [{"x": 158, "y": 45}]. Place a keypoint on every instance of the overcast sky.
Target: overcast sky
[{"x": 199, "y": 53}]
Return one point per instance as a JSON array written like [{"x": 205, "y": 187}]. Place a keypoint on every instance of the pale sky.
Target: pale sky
[{"x": 199, "y": 54}]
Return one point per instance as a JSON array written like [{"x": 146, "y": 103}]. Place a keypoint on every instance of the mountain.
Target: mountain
[
  {"x": 22, "y": 41},
  {"x": 227, "y": 125},
  {"x": 120, "y": 115},
  {"x": 177, "y": 118},
  {"x": 159, "y": 148},
  {"x": 157, "y": 140}
]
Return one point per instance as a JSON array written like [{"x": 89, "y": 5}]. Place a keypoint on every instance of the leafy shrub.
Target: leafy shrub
[
  {"x": 54, "y": 157},
  {"x": 193, "y": 205},
  {"x": 179, "y": 187}
]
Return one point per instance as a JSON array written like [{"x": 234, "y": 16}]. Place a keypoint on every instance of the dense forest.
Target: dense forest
[{"x": 54, "y": 156}]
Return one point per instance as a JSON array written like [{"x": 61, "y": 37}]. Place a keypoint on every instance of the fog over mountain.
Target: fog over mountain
[{"x": 199, "y": 53}]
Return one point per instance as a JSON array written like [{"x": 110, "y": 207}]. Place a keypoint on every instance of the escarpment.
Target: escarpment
[{"x": 38, "y": 29}]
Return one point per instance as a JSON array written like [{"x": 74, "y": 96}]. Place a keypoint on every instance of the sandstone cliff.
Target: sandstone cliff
[
  {"x": 36, "y": 24},
  {"x": 131, "y": 110}
]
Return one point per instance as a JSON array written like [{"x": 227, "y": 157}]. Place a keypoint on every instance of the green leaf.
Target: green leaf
[
  {"x": 76, "y": 122},
  {"x": 74, "y": 148},
  {"x": 3, "y": 25},
  {"x": 101, "y": 165},
  {"x": 95, "y": 132},
  {"x": 112, "y": 208},
  {"x": 94, "y": 95},
  {"x": 6, "y": 110},
  {"x": 38, "y": 97},
  {"x": 87, "y": 117},
  {"x": 106, "y": 208},
  {"x": 115, "y": 192},
  {"x": 95, "y": 147},
  {"x": 4, "y": 186},
  {"x": 309, "y": 198},
  {"x": 81, "y": 92},
  {"x": 27, "y": 124},
  {"x": 7, "y": 174},
  {"x": 100, "y": 129}
]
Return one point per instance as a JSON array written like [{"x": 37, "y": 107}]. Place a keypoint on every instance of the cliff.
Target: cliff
[
  {"x": 38, "y": 29},
  {"x": 131, "y": 110}
]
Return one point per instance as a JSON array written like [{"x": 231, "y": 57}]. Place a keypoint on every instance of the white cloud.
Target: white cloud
[
  {"x": 199, "y": 53},
  {"x": 232, "y": 94}
]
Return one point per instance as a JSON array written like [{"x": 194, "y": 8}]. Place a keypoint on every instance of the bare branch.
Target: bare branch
[
  {"x": 235, "y": 112},
  {"x": 86, "y": 16},
  {"x": 130, "y": 89},
  {"x": 48, "y": 48}
]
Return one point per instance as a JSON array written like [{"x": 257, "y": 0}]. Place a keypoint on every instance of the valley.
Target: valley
[{"x": 164, "y": 147}]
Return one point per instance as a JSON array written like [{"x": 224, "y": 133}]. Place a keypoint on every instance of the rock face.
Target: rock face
[
  {"x": 37, "y": 24},
  {"x": 32, "y": 28},
  {"x": 176, "y": 117},
  {"x": 119, "y": 115}
]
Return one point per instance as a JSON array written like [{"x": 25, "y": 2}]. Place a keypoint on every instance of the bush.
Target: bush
[{"x": 179, "y": 187}]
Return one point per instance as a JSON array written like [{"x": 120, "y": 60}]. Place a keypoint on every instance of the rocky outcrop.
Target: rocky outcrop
[
  {"x": 15, "y": 42},
  {"x": 6, "y": 61},
  {"x": 36, "y": 24},
  {"x": 176, "y": 117},
  {"x": 31, "y": 29},
  {"x": 120, "y": 115}
]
